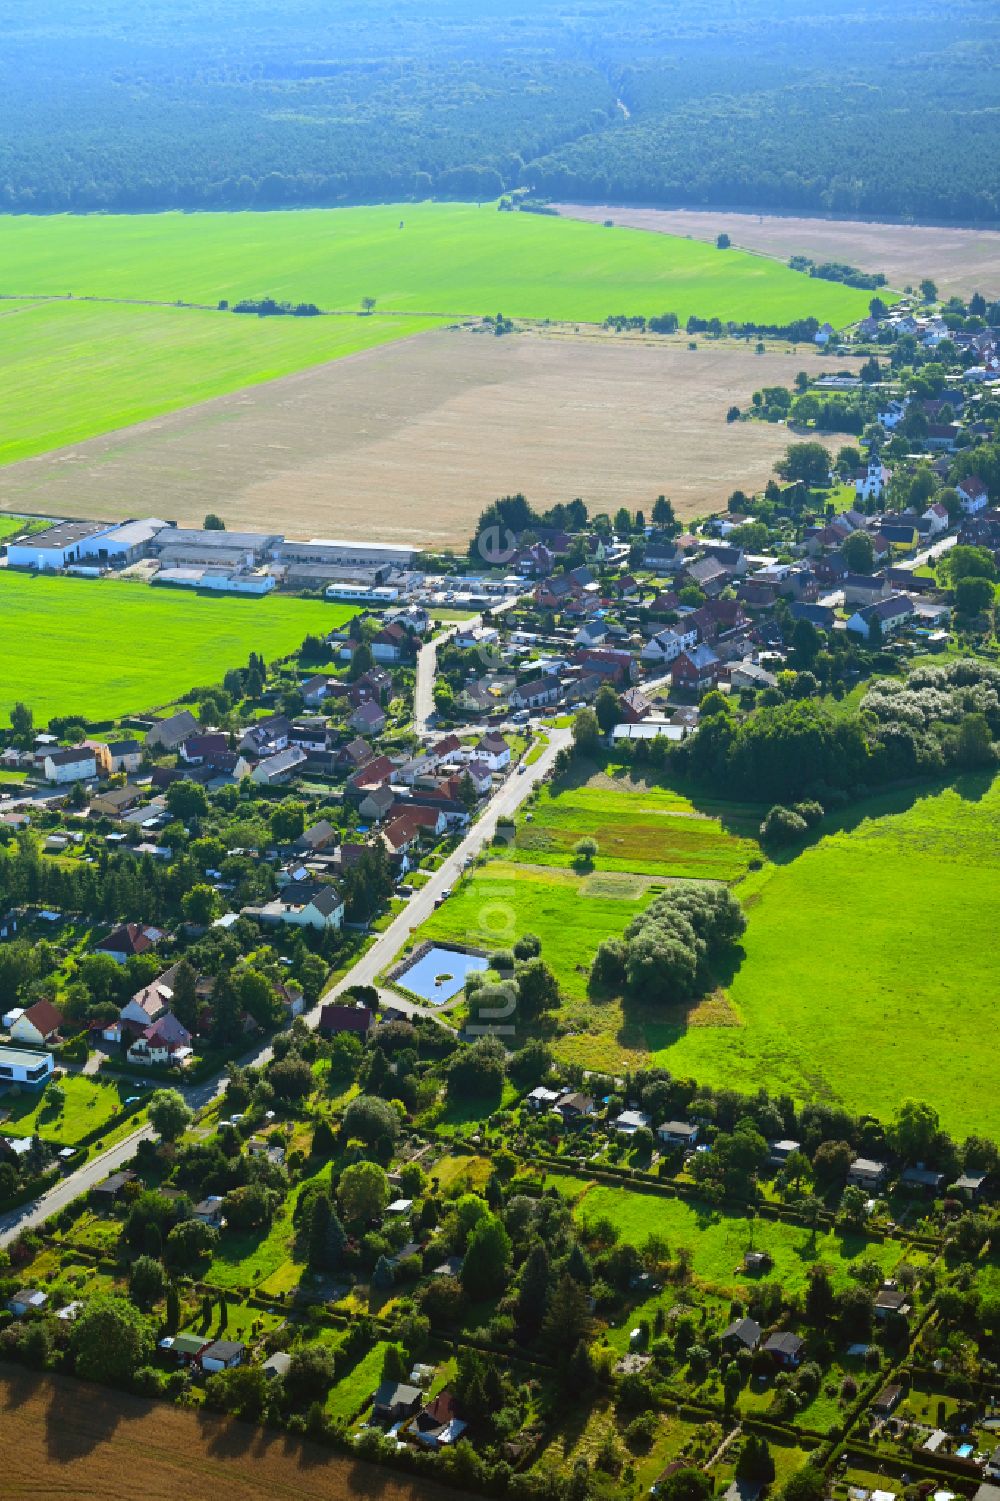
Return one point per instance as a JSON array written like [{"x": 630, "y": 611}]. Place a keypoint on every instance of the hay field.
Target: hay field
[
  {"x": 445, "y": 258},
  {"x": 410, "y": 441},
  {"x": 82, "y": 1441},
  {"x": 961, "y": 261}
]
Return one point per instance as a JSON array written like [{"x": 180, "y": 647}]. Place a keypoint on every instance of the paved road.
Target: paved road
[
  {"x": 381, "y": 954},
  {"x": 423, "y": 691},
  {"x": 929, "y": 553}
]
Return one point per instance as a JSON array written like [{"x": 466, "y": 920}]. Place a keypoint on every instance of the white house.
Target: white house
[
  {"x": 667, "y": 646},
  {"x": 304, "y": 904},
  {"x": 149, "y": 1003},
  {"x": 871, "y": 484},
  {"x": 494, "y": 751},
  {"x": 62, "y": 767},
  {"x": 936, "y": 516},
  {"x": 124, "y": 755},
  {"x": 973, "y": 494},
  {"x": 273, "y": 770},
  {"x": 34, "y": 1027},
  {"x": 891, "y": 614},
  {"x": 223, "y": 1355},
  {"x": 21, "y": 1066}
]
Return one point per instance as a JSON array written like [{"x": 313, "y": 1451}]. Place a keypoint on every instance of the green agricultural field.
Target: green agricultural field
[
  {"x": 656, "y": 832},
  {"x": 105, "y": 648},
  {"x": 70, "y": 370},
  {"x": 717, "y": 1240},
  {"x": 427, "y": 257},
  {"x": 869, "y": 974}
]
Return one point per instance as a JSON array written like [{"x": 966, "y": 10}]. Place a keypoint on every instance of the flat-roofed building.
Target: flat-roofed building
[
  {"x": 25, "y": 1066},
  {"x": 348, "y": 554},
  {"x": 58, "y": 546},
  {"x": 181, "y": 546}
]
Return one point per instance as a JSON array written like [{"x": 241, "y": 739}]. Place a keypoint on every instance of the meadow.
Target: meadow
[
  {"x": 647, "y": 831},
  {"x": 440, "y": 258},
  {"x": 69, "y": 370},
  {"x": 502, "y": 901},
  {"x": 89, "y": 1105},
  {"x": 869, "y": 974},
  {"x": 718, "y": 1240},
  {"x": 105, "y": 649}
]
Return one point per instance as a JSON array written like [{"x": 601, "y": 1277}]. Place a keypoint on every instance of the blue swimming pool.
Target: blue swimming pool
[
  {"x": 440, "y": 974},
  {"x": 964, "y": 1451}
]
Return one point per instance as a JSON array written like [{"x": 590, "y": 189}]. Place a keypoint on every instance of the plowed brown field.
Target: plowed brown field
[
  {"x": 66, "y": 1438},
  {"x": 409, "y": 442},
  {"x": 960, "y": 261}
]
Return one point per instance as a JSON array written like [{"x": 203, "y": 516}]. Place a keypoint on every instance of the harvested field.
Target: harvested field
[
  {"x": 83, "y": 1441},
  {"x": 410, "y": 441},
  {"x": 961, "y": 261}
]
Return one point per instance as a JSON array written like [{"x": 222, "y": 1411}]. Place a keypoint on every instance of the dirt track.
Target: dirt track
[
  {"x": 409, "y": 442},
  {"x": 961, "y": 261},
  {"x": 66, "y": 1438}
]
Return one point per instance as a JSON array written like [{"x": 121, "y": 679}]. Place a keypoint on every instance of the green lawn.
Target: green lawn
[
  {"x": 89, "y": 1105},
  {"x": 352, "y": 1392},
  {"x": 502, "y": 901},
  {"x": 869, "y": 976},
  {"x": 249, "y": 1258},
  {"x": 718, "y": 1241},
  {"x": 656, "y": 832},
  {"x": 69, "y": 370},
  {"x": 447, "y": 258},
  {"x": 106, "y": 648}
]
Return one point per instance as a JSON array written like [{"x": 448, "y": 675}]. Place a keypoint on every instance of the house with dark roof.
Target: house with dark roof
[
  {"x": 785, "y": 1350},
  {"x": 742, "y": 1334},
  {"x": 696, "y": 669},
  {"x": 886, "y": 615},
  {"x": 128, "y": 940},
  {"x": 334, "y": 1019}
]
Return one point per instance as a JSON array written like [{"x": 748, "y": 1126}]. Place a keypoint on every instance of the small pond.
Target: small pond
[{"x": 440, "y": 974}]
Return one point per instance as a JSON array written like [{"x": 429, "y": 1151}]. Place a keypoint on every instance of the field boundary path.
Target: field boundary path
[{"x": 364, "y": 971}]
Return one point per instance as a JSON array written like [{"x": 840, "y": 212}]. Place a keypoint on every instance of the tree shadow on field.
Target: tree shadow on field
[
  {"x": 17, "y": 1387},
  {"x": 76, "y": 1425}
]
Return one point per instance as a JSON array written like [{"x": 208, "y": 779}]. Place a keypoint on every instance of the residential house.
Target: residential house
[
  {"x": 940, "y": 436},
  {"x": 304, "y": 904},
  {"x": 924, "y": 1179},
  {"x": 150, "y": 1003},
  {"x": 128, "y": 940},
  {"x": 573, "y": 1107},
  {"x": 274, "y": 770},
  {"x": 868, "y": 1174},
  {"x": 354, "y": 755},
  {"x": 631, "y": 1121},
  {"x": 222, "y": 1355},
  {"x": 890, "y": 614},
  {"x": 197, "y": 749},
  {"x": 166, "y": 1042},
  {"x": 319, "y": 836},
  {"x": 494, "y": 751},
  {"x": 396, "y": 1400},
  {"x": 666, "y": 646},
  {"x": 438, "y": 1424},
  {"x": 169, "y": 734},
  {"x": 778, "y": 1152},
  {"x": 36, "y": 1026},
  {"x": 887, "y": 1401},
  {"x": 785, "y": 1350},
  {"x": 678, "y": 1133},
  {"x": 111, "y": 1189},
  {"x": 872, "y": 482},
  {"x": 821, "y": 616},
  {"x": 937, "y": 518},
  {"x": 891, "y": 1299},
  {"x": 27, "y": 1300},
  {"x": 208, "y": 1211},
  {"x": 742, "y": 1334},
  {"x": 373, "y": 773},
  {"x": 593, "y": 633},
  {"x": 973, "y": 494},
  {"x": 27, "y": 1067},
  {"x": 541, "y": 1098},
  {"x": 77, "y": 765},
  {"x": 315, "y": 689},
  {"x": 612, "y": 665},
  {"x": 970, "y": 1186},
  {"x": 393, "y": 644},
  {"x": 122, "y": 755},
  {"x": 864, "y": 588},
  {"x": 368, "y": 718},
  {"x": 334, "y": 1019},
  {"x": 535, "y": 694},
  {"x": 115, "y": 802},
  {"x": 749, "y": 674},
  {"x": 377, "y": 804},
  {"x": 635, "y": 706},
  {"x": 696, "y": 669}
]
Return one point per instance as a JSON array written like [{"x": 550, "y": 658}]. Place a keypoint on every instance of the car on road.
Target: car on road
[{"x": 522, "y": 768}]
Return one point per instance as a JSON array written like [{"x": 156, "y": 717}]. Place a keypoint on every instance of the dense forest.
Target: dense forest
[{"x": 765, "y": 104}]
